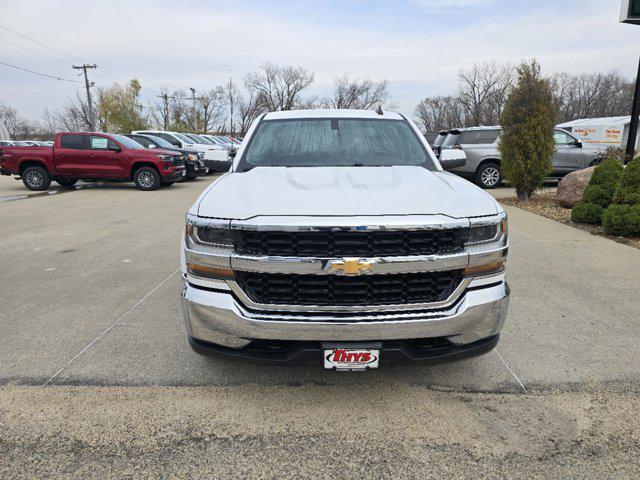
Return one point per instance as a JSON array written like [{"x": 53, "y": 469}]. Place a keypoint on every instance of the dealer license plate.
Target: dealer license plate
[{"x": 351, "y": 358}]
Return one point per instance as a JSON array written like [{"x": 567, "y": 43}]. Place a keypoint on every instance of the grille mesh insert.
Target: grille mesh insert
[
  {"x": 349, "y": 244},
  {"x": 338, "y": 290}
]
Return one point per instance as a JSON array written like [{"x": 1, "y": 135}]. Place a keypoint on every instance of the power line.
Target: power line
[
  {"x": 49, "y": 47},
  {"x": 34, "y": 51},
  {"x": 38, "y": 73}
]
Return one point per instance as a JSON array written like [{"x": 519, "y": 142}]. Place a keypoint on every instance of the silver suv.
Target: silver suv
[{"x": 480, "y": 144}]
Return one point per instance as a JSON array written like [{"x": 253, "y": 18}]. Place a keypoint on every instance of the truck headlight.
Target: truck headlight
[
  {"x": 209, "y": 235},
  {"x": 193, "y": 156},
  {"x": 486, "y": 233}
]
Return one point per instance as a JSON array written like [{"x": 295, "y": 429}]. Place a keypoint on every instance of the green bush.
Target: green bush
[
  {"x": 599, "y": 194},
  {"x": 609, "y": 171},
  {"x": 628, "y": 191},
  {"x": 587, "y": 213},
  {"x": 622, "y": 220},
  {"x": 601, "y": 189}
]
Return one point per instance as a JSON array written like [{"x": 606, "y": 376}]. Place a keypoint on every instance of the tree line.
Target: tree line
[
  {"x": 119, "y": 108},
  {"x": 483, "y": 89},
  {"x": 480, "y": 98}
]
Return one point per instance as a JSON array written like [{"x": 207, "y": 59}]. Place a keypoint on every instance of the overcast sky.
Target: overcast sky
[{"x": 418, "y": 45}]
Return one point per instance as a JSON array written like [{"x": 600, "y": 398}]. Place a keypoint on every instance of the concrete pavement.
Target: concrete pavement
[{"x": 90, "y": 295}]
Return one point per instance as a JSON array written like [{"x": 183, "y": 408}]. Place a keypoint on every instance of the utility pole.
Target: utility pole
[
  {"x": 88, "y": 85},
  {"x": 231, "y": 100},
  {"x": 630, "y": 13},
  {"x": 193, "y": 110},
  {"x": 633, "y": 127},
  {"x": 165, "y": 110}
]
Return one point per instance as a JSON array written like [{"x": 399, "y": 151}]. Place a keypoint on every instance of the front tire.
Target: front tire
[
  {"x": 489, "y": 175},
  {"x": 66, "y": 181},
  {"x": 36, "y": 178},
  {"x": 147, "y": 178}
]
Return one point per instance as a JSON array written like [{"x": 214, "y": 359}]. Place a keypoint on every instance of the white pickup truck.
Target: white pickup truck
[{"x": 338, "y": 238}]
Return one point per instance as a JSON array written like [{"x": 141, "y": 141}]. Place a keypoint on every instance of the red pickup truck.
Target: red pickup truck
[{"x": 92, "y": 157}]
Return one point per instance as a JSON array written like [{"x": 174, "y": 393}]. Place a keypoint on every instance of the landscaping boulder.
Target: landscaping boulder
[{"x": 572, "y": 186}]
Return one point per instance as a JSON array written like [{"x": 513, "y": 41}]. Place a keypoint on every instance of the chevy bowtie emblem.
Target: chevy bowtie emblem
[{"x": 350, "y": 266}]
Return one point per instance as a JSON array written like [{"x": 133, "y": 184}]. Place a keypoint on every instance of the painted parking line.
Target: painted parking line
[
  {"x": 513, "y": 374},
  {"x": 95, "y": 340}
]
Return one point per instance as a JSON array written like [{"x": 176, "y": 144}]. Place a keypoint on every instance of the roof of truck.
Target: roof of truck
[{"x": 332, "y": 113}]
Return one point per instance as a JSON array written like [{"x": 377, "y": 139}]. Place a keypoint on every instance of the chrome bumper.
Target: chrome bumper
[{"x": 216, "y": 317}]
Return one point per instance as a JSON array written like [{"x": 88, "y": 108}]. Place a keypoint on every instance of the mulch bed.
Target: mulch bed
[{"x": 543, "y": 203}]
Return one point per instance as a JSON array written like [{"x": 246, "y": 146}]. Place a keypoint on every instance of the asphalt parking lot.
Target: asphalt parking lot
[{"x": 96, "y": 374}]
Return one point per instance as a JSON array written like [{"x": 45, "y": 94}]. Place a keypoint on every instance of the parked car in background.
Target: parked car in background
[
  {"x": 216, "y": 159},
  {"x": 6, "y": 143},
  {"x": 22, "y": 143},
  {"x": 437, "y": 142},
  {"x": 193, "y": 159},
  {"x": 480, "y": 144},
  {"x": 92, "y": 157},
  {"x": 221, "y": 141}
]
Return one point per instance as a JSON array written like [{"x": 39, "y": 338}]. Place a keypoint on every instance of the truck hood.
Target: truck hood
[{"x": 343, "y": 191}]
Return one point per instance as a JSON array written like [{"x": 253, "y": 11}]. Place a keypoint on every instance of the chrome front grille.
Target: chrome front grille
[
  {"x": 351, "y": 243},
  {"x": 337, "y": 290}
]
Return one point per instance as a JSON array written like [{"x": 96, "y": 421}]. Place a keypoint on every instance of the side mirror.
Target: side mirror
[
  {"x": 176, "y": 143},
  {"x": 151, "y": 145},
  {"x": 233, "y": 152},
  {"x": 452, "y": 158},
  {"x": 577, "y": 144}
]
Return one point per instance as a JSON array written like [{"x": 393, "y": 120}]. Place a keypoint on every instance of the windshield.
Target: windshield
[
  {"x": 161, "y": 142},
  {"x": 451, "y": 138},
  {"x": 126, "y": 141},
  {"x": 334, "y": 142},
  {"x": 218, "y": 141},
  {"x": 182, "y": 137},
  {"x": 199, "y": 139},
  {"x": 439, "y": 139}
]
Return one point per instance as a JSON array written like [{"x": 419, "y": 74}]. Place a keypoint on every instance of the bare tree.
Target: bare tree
[
  {"x": 360, "y": 93},
  {"x": 49, "y": 124},
  {"x": 590, "y": 95},
  {"x": 74, "y": 116},
  {"x": 483, "y": 91},
  {"x": 248, "y": 110},
  {"x": 12, "y": 120},
  {"x": 278, "y": 87},
  {"x": 440, "y": 113},
  {"x": 210, "y": 109}
]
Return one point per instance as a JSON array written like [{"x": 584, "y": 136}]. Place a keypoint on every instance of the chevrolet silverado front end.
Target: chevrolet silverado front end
[{"x": 300, "y": 253}]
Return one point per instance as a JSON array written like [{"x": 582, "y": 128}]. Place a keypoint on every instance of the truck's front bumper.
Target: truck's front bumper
[{"x": 217, "y": 323}]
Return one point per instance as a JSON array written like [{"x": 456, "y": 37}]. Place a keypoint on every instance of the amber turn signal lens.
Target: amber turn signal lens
[
  {"x": 210, "y": 272},
  {"x": 484, "y": 269}
]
